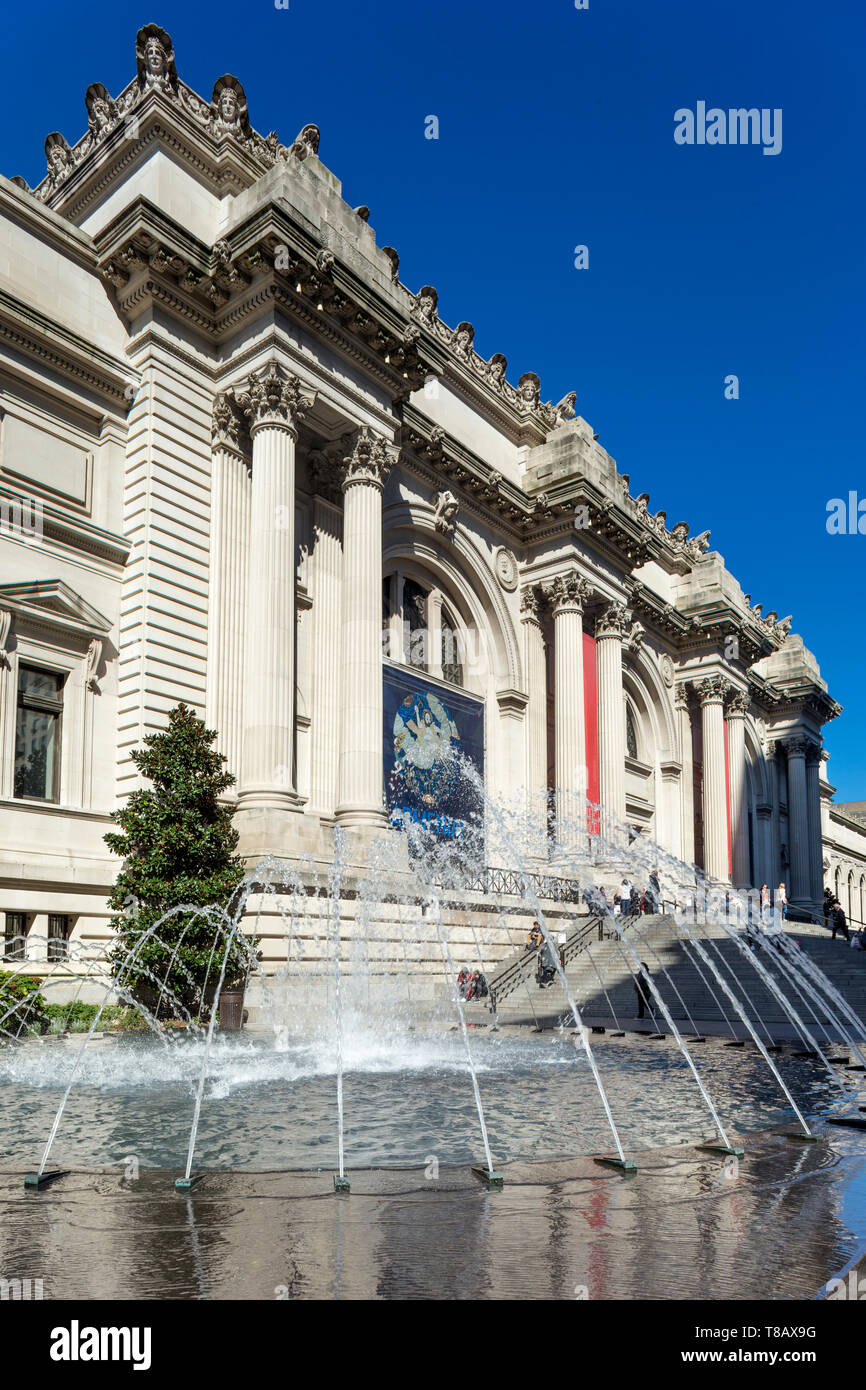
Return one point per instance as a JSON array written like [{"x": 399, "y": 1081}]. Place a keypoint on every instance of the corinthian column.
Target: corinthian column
[
  {"x": 227, "y": 596},
  {"x": 567, "y": 595},
  {"x": 274, "y": 404},
  {"x": 737, "y": 709},
  {"x": 610, "y": 629},
  {"x": 536, "y": 731},
  {"x": 711, "y": 693},
  {"x": 798, "y": 822},
  {"x": 366, "y": 466}
]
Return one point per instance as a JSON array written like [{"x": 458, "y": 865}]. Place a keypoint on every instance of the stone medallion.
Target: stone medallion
[{"x": 505, "y": 566}]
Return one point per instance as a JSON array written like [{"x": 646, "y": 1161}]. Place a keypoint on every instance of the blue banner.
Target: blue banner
[{"x": 426, "y": 733}]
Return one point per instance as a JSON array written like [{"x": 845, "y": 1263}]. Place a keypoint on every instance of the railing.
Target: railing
[
  {"x": 521, "y": 968},
  {"x": 515, "y": 883}
]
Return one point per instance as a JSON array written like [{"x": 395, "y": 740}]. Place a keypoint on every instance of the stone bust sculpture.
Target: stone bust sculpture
[
  {"x": 228, "y": 108},
  {"x": 154, "y": 56}
]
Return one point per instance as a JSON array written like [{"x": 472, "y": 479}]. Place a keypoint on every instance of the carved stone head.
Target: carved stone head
[
  {"x": 154, "y": 57},
  {"x": 528, "y": 391},
  {"x": 101, "y": 109},
  {"x": 496, "y": 368},
  {"x": 307, "y": 142},
  {"x": 58, "y": 156},
  {"x": 228, "y": 108}
]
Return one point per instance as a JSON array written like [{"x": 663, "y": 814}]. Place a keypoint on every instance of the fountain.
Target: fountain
[{"x": 363, "y": 1044}]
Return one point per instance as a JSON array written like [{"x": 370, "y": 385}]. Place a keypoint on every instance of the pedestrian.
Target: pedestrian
[
  {"x": 782, "y": 901},
  {"x": 625, "y": 894},
  {"x": 642, "y": 990},
  {"x": 534, "y": 938},
  {"x": 828, "y": 904},
  {"x": 546, "y": 972},
  {"x": 655, "y": 892},
  {"x": 839, "y": 922},
  {"x": 765, "y": 902}
]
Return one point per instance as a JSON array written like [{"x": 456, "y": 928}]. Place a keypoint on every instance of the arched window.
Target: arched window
[
  {"x": 838, "y": 885},
  {"x": 420, "y": 629},
  {"x": 851, "y": 893},
  {"x": 862, "y": 898},
  {"x": 630, "y": 732}
]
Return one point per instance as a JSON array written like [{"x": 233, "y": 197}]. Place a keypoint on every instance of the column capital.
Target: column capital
[
  {"x": 613, "y": 621},
  {"x": 568, "y": 593},
  {"x": 274, "y": 399},
  {"x": 738, "y": 704},
  {"x": 796, "y": 746},
  {"x": 681, "y": 695},
  {"x": 530, "y": 604},
  {"x": 227, "y": 425},
  {"x": 814, "y": 752},
  {"x": 712, "y": 690},
  {"x": 367, "y": 458}
]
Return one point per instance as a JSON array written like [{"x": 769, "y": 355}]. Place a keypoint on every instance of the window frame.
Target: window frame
[
  {"x": 42, "y": 704},
  {"x": 62, "y": 938},
  {"x": 21, "y": 948}
]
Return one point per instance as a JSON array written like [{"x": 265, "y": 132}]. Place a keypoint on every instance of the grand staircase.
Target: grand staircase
[{"x": 684, "y": 980}]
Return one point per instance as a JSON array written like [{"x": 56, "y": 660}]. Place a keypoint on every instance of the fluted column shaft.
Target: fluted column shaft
[
  {"x": 798, "y": 822},
  {"x": 274, "y": 404},
  {"x": 712, "y": 694},
  {"x": 365, "y": 469},
  {"x": 227, "y": 596},
  {"x": 737, "y": 776},
  {"x": 610, "y": 630},
  {"x": 567, "y": 595},
  {"x": 536, "y": 685}
]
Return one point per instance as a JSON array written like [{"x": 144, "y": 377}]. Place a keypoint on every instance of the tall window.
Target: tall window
[
  {"x": 58, "y": 936},
  {"x": 452, "y": 666},
  {"x": 37, "y": 734},
  {"x": 415, "y": 623},
  {"x": 630, "y": 732},
  {"x": 14, "y": 934}
]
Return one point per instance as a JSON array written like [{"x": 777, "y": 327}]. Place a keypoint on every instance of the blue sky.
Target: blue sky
[{"x": 556, "y": 130}]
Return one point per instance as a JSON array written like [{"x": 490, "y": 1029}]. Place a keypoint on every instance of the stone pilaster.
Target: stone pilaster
[
  {"x": 7, "y": 702},
  {"x": 366, "y": 464},
  {"x": 711, "y": 693},
  {"x": 612, "y": 626},
  {"x": 274, "y": 404},
  {"x": 687, "y": 784},
  {"x": 567, "y": 595},
  {"x": 799, "y": 850},
  {"x": 813, "y": 793},
  {"x": 536, "y": 685},
  {"x": 227, "y": 588},
  {"x": 738, "y": 706}
]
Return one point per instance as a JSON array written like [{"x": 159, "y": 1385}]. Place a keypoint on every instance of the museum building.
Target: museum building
[{"x": 244, "y": 466}]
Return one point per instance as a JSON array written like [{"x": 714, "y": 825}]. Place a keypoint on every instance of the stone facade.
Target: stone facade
[{"x": 252, "y": 449}]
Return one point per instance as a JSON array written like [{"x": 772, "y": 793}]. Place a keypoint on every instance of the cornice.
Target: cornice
[{"x": 36, "y": 336}]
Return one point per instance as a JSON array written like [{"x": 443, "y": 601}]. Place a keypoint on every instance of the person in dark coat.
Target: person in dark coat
[
  {"x": 840, "y": 922},
  {"x": 546, "y": 967},
  {"x": 642, "y": 990}
]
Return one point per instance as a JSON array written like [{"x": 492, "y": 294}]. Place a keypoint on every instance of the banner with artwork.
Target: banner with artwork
[{"x": 427, "y": 733}]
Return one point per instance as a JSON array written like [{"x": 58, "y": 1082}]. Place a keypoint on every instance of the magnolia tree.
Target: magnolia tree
[{"x": 178, "y": 849}]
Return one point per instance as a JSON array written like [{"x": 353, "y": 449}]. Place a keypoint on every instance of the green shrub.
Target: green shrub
[
  {"x": 178, "y": 846},
  {"x": 33, "y": 1016}
]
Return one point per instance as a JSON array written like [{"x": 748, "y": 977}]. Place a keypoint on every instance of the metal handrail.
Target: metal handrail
[{"x": 519, "y": 883}]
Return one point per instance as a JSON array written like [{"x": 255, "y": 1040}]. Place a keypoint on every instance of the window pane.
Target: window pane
[
  {"x": 35, "y": 748},
  {"x": 33, "y": 682},
  {"x": 58, "y": 937},
  {"x": 415, "y": 623},
  {"x": 16, "y": 927},
  {"x": 452, "y": 666}
]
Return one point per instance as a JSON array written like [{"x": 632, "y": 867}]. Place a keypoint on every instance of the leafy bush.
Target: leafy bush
[
  {"x": 77, "y": 1017},
  {"x": 32, "y": 1017}
]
